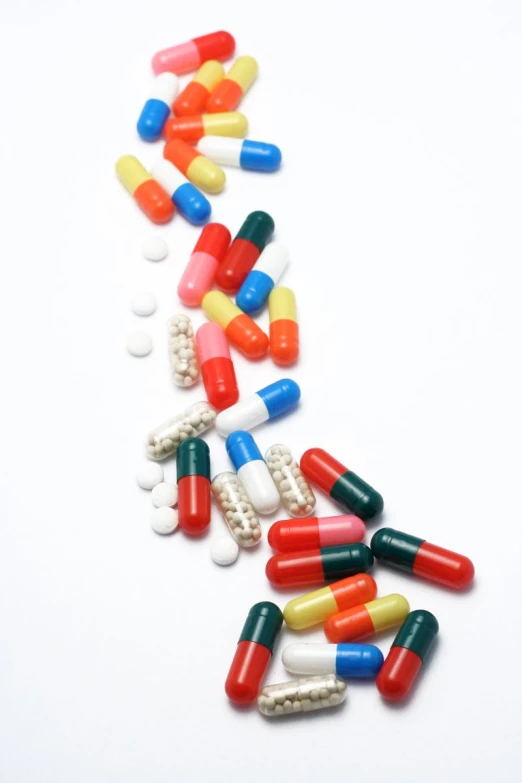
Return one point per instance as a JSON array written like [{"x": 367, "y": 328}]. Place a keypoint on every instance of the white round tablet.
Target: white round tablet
[
  {"x": 164, "y": 520},
  {"x": 224, "y": 550},
  {"x": 139, "y": 343},
  {"x": 143, "y": 303},
  {"x": 149, "y": 474},
  {"x": 155, "y": 249},
  {"x": 164, "y": 494}
]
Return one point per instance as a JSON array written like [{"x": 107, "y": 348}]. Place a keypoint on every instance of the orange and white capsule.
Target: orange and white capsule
[
  {"x": 229, "y": 93},
  {"x": 198, "y": 169},
  {"x": 193, "y": 98},
  {"x": 151, "y": 197},
  {"x": 284, "y": 329},
  {"x": 194, "y": 126}
]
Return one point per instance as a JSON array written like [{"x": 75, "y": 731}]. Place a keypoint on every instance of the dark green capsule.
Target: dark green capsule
[
  {"x": 418, "y": 632},
  {"x": 341, "y": 561},
  {"x": 396, "y": 548},
  {"x": 357, "y": 496},
  {"x": 257, "y": 228},
  {"x": 262, "y": 625},
  {"x": 193, "y": 458}
]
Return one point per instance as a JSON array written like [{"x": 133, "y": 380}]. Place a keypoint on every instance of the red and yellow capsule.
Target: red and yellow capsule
[
  {"x": 316, "y": 607},
  {"x": 193, "y": 98},
  {"x": 193, "y": 127},
  {"x": 229, "y": 93},
  {"x": 198, "y": 169},
  {"x": 284, "y": 329},
  {"x": 149, "y": 195},
  {"x": 367, "y": 619}
]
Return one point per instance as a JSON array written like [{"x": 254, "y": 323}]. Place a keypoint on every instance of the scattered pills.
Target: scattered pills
[
  {"x": 182, "y": 351},
  {"x": 143, "y": 303},
  {"x": 236, "y": 508},
  {"x": 139, "y": 343},
  {"x": 164, "y": 440},
  {"x": 164, "y": 494},
  {"x": 149, "y": 474},
  {"x": 164, "y": 520},
  {"x": 155, "y": 249},
  {"x": 224, "y": 550},
  {"x": 306, "y": 694}
]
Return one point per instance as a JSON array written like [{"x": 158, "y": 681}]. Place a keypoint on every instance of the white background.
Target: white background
[{"x": 400, "y": 201}]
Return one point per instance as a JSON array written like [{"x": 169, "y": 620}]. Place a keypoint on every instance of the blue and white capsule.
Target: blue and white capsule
[
  {"x": 267, "y": 271},
  {"x": 267, "y": 403},
  {"x": 253, "y": 472},
  {"x": 345, "y": 660},
  {"x": 188, "y": 200},
  {"x": 242, "y": 153},
  {"x": 157, "y": 108}
]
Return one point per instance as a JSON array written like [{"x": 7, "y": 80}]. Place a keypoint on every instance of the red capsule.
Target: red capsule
[
  {"x": 247, "y": 672},
  {"x": 397, "y": 676},
  {"x": 217, "y": 369},
  {"x": 194, "y": 504},
  {"x": 199, "y": 274}
]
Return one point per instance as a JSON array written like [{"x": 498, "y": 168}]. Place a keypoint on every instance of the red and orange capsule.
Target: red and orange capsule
[
  {"x": 297, "y": 535},
  {"x": 193, "y": 472}
]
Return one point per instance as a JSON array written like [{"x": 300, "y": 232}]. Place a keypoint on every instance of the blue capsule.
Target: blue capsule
[
  {"x": 191, "y": 203},
  {"x": 253, "y": 471},
  {"x": 157, "y": 108},
  {"x": 345, "y": 660},
  {"x": 258, "y": 284},
  {"x": 267, "y": 403},
  {"x": 244, "y": 153}
]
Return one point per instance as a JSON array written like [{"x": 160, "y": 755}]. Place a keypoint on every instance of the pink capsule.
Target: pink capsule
[
  {"x": 189, "y": 56},
  {"x": 296, "y": 535},
  {"x": 217, "y": 369},
  {"x": 198, "y": 277}
]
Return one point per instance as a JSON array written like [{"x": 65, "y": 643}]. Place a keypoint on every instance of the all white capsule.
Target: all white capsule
[{"x": 253, "y": 472}]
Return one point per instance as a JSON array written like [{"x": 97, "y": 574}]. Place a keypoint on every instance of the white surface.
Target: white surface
[
  {"x": 164, "y": 520},
  {"x": 164, "y": 494},
  {"x": 406, "y": 260},
  {"x": 155, "y": 248},
  {"x": 139, "y": 343},
  {"x": 149, "y": 474},
  {"x": 224, "y": 550},
  {"x": 143, "y": 303}
]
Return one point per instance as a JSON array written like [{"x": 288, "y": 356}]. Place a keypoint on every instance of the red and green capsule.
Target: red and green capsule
[
  {"x": 193, "y": 472},
  {"x": 404, "y": 661},
  {"x": 317, "y": 566}
]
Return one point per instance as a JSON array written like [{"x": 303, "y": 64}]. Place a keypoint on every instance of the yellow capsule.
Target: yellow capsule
[
  {"x": 131, "y": 173},
  {"x": 206, "y": 175},
  {"x": 219, "y": 308},
  {"x": 227, "y": 123},
  {"x": 310, "y": 609},
  {"x": 210, "y": 74},
  {"x": 282, "y": 305},
  {"x": 243, "y": 72},
  {"x": 388, "y": 611}
]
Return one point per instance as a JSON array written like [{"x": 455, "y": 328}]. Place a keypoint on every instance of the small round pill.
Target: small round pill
[
  {"x": 143, "y": 303},
  {"x": 149, "y": 474},
  {"x": 224, "y": 550},
  {"x": 164, "y": 494},
  {"x": 164, "y": 520},
  {"x": 155, "y": 249},
  {"x": 139, "y": 343}
]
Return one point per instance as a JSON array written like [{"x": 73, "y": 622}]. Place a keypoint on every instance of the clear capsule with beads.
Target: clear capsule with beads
[
  {"x": 236, "y": 508},
  {"x": 164, "y": 440},
  {"x": 306, "y": 694},
  {"x": 182, "y": 351},
  {"x": 296, "y": 493}
]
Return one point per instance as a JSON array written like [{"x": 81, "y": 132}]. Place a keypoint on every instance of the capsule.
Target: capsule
[
  {"x": 242, "y": 153},
  {"x": 193, "y": 473},
  {"x": 316, "y": 607},
  {"x": 415, "y": 555},
  {"x": 316, "y": 566},
  {"x": 296, "y": 535},
  {"x": 343, "y": 486},
  {"x": 156, "y": 110},
  {"x": 150, "y": 196},
  {"x": 239, "y": 328},
  {"x": 236, "y": 508},
  {"x": 198, "y": 169},
  {"x": 268, "y": 403},
  {"x": 188, "y": 56},
  {"x": 364, "y": 620},
  {"x": 253, "y": 652},
  {"x": 244, "y": 251},
  {"x": 164, "y": 440},
  {"x": 256, "y": 287},
  {"x": 194, "y": 127},
  {"x": 345, "y": 660},
  {"x": 190, "y": 202},
  {"x": 284, "y": 329},
  {"x": 295, "y": 491},
  {"x": 306, "y": 694},
  {"x": 217, "y": 370},
  {"x": 408, "y": 651},
  {"x": 182, "y": 351},
  {"x": 253, "y": 472},
  {"x": 193, "y": 98},
  {"x": 229, "y": 93},
  {"x": 199, "y": 274}
]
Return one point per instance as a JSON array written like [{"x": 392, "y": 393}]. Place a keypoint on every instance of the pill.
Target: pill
[
  {"x": 164, "y": 520},
  {"x": 149, "y": 474},
  {"x": 143, "y": 303},
  {"x": 193, "y": 476},
  {"x": 253, "y": 652},
  {"x": 306, "y": 694},
  {"x": 193, "y": 98},
  {"x": 296, "y": 535},
  {"x": 406, "y": 657},
  {"x": 148, "y": 194},
  {"x": 164, "y": 440},
  {"x": 244, "y": 251},
  {"x": 139, "y": 343},
  {"x": 294, "y": 490},
  {"x": 164, "y": 494},
  {"x": 157, "y": 107},
  {"x": 364, "y": 620},
  {"x": 194, "y": 127},
  {"x": 268, "y": 403},
  {"x": 316, "y": 566},
  {"x": 182, "y": 351},
  {"x": 198, "y": 169},
  {"x": 284, "y": 328},
  {"x": 217, "y": 369},
  {"x": 343, "y": 486},
  {"x": 259, "y": 282},
  {"x": 253, "y": 472},
  {"x": 189, "y": 201},
  {"x": 239, "y": 328},
  {"x": 199, "y": 274},
  {"x": 155, "y": 249},
  {"x": 188, "y": 56},
  {"x": 228, "y": 94},
  {"x": 242, "y": 153},
  {"x": 417, "y": 556},
  {"x": 345, "y": 660},
  {"x": 224, "y": 550},
  {"x": 236, "y": 508},
  {"x": 317, "y": 606}
]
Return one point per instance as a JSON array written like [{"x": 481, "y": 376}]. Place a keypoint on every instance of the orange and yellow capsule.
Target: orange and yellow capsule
[
  {"x": 239, "y": 328},
  {"x": 229, "y": 93},
  {"x": 284, "y": 329},
  {"x": 150, "y": 196},
  {"x": 193, "y": 98},
  {"x": 194, "y": 126},
  {"x": 198, "y": 169},
  {"x": 362, "y": 621}
]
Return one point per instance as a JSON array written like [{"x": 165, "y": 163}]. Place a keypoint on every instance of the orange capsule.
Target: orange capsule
[
  {"x": 153, "y": 200},
  {"x": 284, "y": 329}
]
